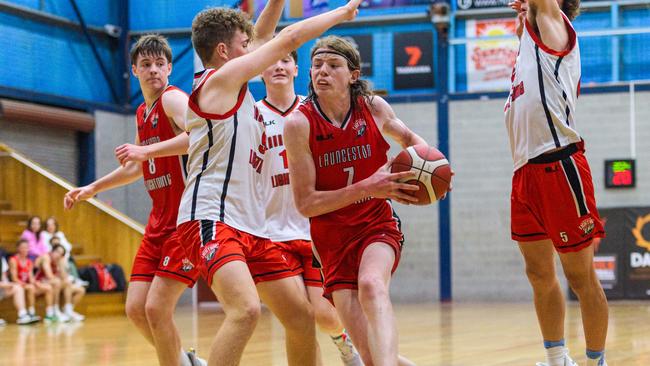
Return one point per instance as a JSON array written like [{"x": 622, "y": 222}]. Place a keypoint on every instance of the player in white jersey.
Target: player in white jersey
[
  {"x": 552, "y": 203},
  {"x": 286, "y": 227},
  {"x": 220, "y": 221}
]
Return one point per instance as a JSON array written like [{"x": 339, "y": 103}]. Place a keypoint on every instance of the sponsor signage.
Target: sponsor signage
[
  {"x": 363, "y": 43},
  {"x": 480, "y": 4},
  {"x": 413, "y": 60},
  {"x": 490, "y": 63}
]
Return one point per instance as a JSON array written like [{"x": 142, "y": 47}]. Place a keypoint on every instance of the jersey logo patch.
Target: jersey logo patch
[
  {"x": 360, "y": 127},
  {"x": 154, "y": 121}
]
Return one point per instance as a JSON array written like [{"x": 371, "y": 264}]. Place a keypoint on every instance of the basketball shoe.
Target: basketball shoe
[
  {"x": 194, "y": 359},
  {"x": 567, "y": 362}
]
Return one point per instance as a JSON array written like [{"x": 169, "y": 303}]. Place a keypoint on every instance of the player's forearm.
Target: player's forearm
[
  {"x": 268, "y": 21},
  {"x": 299, "y": 33},
  {"x": 172, "y": 147},
  {"x": 118, "y": 177},
  {"x": 321, "y": 202}
]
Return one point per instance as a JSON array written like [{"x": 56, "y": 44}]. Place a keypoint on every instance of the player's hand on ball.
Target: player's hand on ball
[
  {"x": 129, "y": 152},
  {"x": 384, "y": 184}
]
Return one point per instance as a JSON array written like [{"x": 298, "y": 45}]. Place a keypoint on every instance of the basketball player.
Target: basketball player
[
  {"x": 552, "y": 204},
  {"x": 21, "y": 271},
  {"x": 220, "y": 221},
  {"x": 286, "y": 226},
  {"x": 161, "y": 271},
  {"x": 340, "y": 177}
]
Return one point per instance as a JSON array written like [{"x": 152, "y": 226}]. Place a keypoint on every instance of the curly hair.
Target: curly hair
[
  {"x": 151, "y": 45},
  {"x": 360, "y": 88},
  {"x": 571, "y": 8},
  {"x": 217, "y": 25}
]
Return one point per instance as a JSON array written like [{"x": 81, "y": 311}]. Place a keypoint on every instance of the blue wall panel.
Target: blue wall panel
[
  {"x": 635, "y": 63},
  {"x": 94, "y": 12},
  {"x": 595, "y": 52},
  {"x": 52, "y": 60},
  {"x": 164, "y": 14}
]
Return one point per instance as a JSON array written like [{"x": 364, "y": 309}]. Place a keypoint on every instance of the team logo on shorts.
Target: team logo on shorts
[
  {"x": 587, "y": 226},
  {"x": 360, "y": 126},
  {"x": 209, "y": 251},
  {"x": 187, "y": 265}
]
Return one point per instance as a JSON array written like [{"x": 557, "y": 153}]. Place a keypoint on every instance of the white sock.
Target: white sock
[
  {"x": 184, "y": 359},
  {"x": 555, "y": 355},
  {"x": 31, "y": 310},
  {"x": 68, "y": 308},
  {"x": 49, "y": 311},
  {"x": 22, "y": 313}
]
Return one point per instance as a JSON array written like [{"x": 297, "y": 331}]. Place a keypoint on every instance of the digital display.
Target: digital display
[{"x": 620, "y": 173}]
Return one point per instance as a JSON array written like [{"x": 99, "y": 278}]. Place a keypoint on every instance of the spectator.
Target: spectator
[
  {"x": 9, "y": 289},
  {"x": 33, "y": 236},
  {"x": 52, "y": 230},
  {"x": 51, "y": 269},
  {"x": 21, "y": 270}
]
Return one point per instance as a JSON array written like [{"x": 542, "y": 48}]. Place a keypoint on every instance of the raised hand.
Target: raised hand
[{"x": 352, "y": 9}]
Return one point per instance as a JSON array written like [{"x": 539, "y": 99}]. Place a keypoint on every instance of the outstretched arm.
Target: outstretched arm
[
  {"x": 311, "y": 202},
  {"x": 228, "y": 80},
  {"x": 266, "y": 23},
  {"x": 174, "y": 104},
  {"x": 546, "y": 16}
]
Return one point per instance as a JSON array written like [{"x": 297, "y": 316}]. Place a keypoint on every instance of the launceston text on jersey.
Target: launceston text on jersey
[
  {"x": 344, "y": 155},
  {"x": 158, "y": 182}
]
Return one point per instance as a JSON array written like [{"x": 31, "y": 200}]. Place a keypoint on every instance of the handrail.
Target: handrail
[{"x": 6, "y": 151}]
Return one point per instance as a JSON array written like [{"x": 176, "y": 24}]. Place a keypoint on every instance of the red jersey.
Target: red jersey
[
  {"x": 23, "y": 268},
  {"x": 40, "y": 274},
  {"x": 343, "y": 156},
  {"x": 164, "y": 178}
]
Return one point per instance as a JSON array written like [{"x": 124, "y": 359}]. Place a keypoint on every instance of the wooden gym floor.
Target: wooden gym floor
[{"x": 460, "y": 334}]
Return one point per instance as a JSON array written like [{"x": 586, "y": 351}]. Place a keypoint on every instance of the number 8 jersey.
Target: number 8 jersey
[{"x": 164, "y": 178}]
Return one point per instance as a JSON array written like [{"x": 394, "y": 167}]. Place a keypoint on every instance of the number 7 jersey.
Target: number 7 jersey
[{"x": 346, "y": 155}]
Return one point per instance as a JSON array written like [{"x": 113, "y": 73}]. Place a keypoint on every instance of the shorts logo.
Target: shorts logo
[
  {"x": 166, "y": 261},
  {"x": 187, "y": 265},
  {"x": 209, "y": 251},
  {"x": 587, "y": 226}
]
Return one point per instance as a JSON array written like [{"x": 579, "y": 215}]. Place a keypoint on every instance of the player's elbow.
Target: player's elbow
[
  {"x": 305, "y": 208},
  {"x": 291, "y": 39}
]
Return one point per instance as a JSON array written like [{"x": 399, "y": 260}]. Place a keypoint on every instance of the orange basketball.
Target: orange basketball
[{"x": 433, "y": 173}]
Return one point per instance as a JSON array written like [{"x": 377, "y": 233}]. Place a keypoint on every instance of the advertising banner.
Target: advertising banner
[
  {"x": 413, "y": 60},
  {"x": 490, "y": 63},
  {"x": 363, "y": 43}
]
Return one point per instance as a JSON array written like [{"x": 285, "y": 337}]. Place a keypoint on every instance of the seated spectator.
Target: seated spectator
[
  {"x": 33, "y": 236},
  {"x": 50, "y": 269},
  {"x": 21, "y": 270},
  {"x": 9, "y": 289},
  {"x": 52, "y": 230}
]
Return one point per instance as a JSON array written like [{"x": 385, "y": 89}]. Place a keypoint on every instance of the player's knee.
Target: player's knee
[
  {"x": 156, "y": 313},
  {"x": 301, "y": 318},
  {"x": 582, "y": 282},
  {"x": 246, "y": 315},
  {"x": 372, "y": 287},
  {"x": 135, "y": 311},
  {"x": 540, "y": 277}
]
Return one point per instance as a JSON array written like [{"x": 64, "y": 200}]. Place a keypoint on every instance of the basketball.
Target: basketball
[{"x": 432, "y": 169}]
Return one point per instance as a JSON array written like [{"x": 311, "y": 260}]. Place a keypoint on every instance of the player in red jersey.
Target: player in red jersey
[
  {"x": 161, "y": 271},
  {"x": 553, "y": 208},
  {"x": 340, "y": 176}
]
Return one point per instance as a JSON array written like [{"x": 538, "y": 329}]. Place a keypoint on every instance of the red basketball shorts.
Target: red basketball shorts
[
  {"x": 339, "y": 252},
  {"x": 163, "y": 256},
  {"x": 553, "y": 198},
  {"x": 302, "y": 253},
  {"x": 212, "y": 244}
]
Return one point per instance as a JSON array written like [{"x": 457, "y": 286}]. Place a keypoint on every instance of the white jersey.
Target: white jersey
[
  {"x": 540, "y": 110},
  {"x": 283, "y": 221},
  {"x": 224, "y": 164}
]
